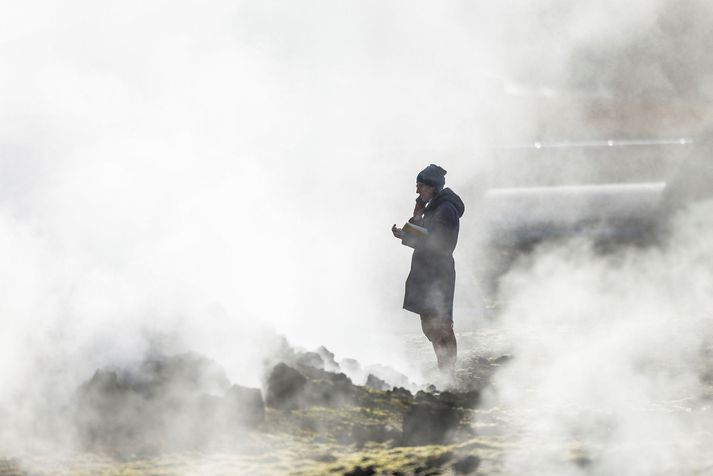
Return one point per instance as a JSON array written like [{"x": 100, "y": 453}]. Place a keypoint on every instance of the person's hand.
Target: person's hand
[
  {"x": 418, "y": 209},
  {"x": 398, "y": 232}
]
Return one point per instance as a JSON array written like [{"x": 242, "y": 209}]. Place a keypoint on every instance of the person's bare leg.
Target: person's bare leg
[
  {"x": 440, "y": 332},
  {"x": 446, "y": 349}
]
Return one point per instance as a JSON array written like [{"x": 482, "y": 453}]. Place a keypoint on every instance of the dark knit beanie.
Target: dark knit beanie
[{"x": 432, "y": 175}]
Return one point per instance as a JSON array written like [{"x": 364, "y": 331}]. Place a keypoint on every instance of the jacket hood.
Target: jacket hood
[{"x": 448, "y": 195}]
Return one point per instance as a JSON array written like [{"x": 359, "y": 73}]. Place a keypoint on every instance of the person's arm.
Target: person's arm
[
  {"x": 413, "y": 240},
  {"x": 415, "y": 219},
  {"x": 418, "y": 210},
  {"x": 437, "y": 238}
]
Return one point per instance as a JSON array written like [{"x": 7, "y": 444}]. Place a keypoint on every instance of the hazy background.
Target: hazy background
[{"x": 198, "y": 176}]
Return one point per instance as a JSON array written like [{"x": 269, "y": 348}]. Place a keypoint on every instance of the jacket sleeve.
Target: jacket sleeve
[{"x": 440, "y": 231}]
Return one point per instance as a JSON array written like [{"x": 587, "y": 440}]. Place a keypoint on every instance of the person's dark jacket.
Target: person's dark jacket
[{"x": 431, "y": 283}]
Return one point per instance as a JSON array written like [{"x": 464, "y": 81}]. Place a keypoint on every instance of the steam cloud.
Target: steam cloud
[
  {"x": 187, "y": 176},
  {"x": 614, "y": 355},
  {"x": 612, "y": 366}
]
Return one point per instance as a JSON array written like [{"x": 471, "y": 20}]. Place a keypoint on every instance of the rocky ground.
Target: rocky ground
[{"x": 181, "y": 416}]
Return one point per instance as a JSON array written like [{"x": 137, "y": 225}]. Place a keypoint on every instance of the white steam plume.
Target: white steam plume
[
  {"x": 181, "y": 175},
  {"x": 613, "y": 356},
  {"x": 184, "y": 176}
]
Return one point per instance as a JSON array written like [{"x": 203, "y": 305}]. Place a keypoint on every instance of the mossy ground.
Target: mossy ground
[
  {"x": 308, "y": 442},
  {"x": 316, "y": 440},
  {"x": 298, "y": 457},
  {"x": 320, "y": 440}
]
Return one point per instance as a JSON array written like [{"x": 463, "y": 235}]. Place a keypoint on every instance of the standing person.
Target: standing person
[{"x": 431, "y": 283}]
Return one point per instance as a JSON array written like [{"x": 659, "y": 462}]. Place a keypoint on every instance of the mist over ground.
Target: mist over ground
[
  {"x": 205, "y": 177},
  {"x": 613, "y": 355},
  {"x": 195, "y": 177}
]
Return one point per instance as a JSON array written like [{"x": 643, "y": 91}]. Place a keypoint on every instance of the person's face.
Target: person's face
[{"x": 425, "y": 191}]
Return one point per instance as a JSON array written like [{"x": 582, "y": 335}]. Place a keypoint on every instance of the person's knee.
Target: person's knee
[
  {"x": 428, "y": 326},
  {"x": 428, "y": 330},
  {"x": 437, "y": 329}
]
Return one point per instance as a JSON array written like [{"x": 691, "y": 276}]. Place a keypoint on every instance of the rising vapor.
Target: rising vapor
[{"x": 189, "y": 177}]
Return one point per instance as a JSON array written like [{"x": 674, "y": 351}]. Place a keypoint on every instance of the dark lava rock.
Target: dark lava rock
[
  {"x": 288, "y": 355},
  {"x": 178, "y": 402},
  {"x": 334, "y": 391},
  {"x": 288, "y": 388},
  {"x": 182, "y": 374},
  {"x": 104, "y": 385},
  {"x": 430, "y": 424},
  {"x": 452, "y": 399},
  {"x": 438, "y": 461},
  {"x": 107, "y": 409},
  {"x": 309, "y": 359},
  {"x": 314, "y": 373},
  {"x": 285, "y": 387},
  {"x": 466, "y": 465},
  {"x": 321, "y": 359},
  {"x": 375, "y": 383},
  {"x": 388, "y": 374},
  {"x": 582, "y": 461},
  {"x": 423, "y": 471},
  {"x": 328, "y": 361},
  {"x": 359, "y": 471},
  {"x": 399, "y": 393}
]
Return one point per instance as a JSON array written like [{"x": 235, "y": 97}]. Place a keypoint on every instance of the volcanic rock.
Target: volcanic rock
[
  {"x": 181, "y": 374},
  {"x": 334, "y": 390},
  {"x": 285, "y": 387},
  {"x": 437, "y": 461},
  {"x": 178, "y": 402},
  {"x": 399, "y": 393},
  {"x": 359, "y": 471},
  {"x": 375, "y": 383},
  {"x": 389, "y": 374},
  {"x": 328, "y": 361},
  {"x": 309, "y": 359},
  {"x": 468, "y": 399},
  {"x": 288, "y": 388},
  {"x": 304, "y": 361},
  {"x": 466, "y": 465},
  {"x": 430, "y": 424}
]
